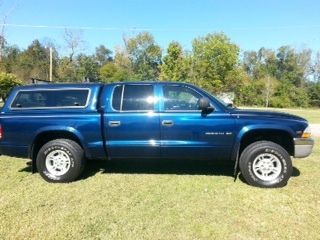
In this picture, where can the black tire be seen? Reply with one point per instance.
(69, 163)
(257, 160)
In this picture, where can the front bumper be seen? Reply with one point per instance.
(303, 147)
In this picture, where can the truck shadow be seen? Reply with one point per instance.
(174, 167)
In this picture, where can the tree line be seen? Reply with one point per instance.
(285, 77)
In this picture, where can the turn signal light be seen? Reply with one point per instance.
(306, 133)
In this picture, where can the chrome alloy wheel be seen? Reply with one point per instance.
(58, 163)
(267, 167)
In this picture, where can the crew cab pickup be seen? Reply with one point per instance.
(60, 126)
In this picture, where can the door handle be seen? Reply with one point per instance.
(114, 123)
(167, 123)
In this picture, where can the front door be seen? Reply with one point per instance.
(188, 133)
(132, 126)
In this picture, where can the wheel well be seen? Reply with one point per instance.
(45, 137)
(283, 138)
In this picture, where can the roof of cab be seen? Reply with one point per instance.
(90, 85)
(59, 85)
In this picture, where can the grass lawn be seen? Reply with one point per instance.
(159, 200)
(311, 114)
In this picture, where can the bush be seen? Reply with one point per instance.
(7, 82)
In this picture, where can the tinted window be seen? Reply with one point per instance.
(179, 98)
(116, 98)
(50, 98)
(138, 98)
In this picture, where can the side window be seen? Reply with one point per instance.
(51, 98)
(138, 98)
(116, 98)
(180, 98)
(135, 98)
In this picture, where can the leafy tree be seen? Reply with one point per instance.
(288, 95)
(10, 59)
(118, 70)
(111, 72)
(103, 55)
(87, 67)
(145, 56)
(67, 71)
(214, 57)
(314, 94)
(260, 64)
(7, 82)
(250, 63)
(251, 94)
(292, 65)
(34, 62)
(316, 68)
(173, 67)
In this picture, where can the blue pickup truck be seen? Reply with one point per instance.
(60, 126)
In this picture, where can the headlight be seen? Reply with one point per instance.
(306, 133)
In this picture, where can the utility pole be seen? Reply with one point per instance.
(50, 71)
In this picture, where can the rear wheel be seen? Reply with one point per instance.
(265, 164)
(60, 160)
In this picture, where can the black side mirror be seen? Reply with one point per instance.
(230, 105)
(204, 105)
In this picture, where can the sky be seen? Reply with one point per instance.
(249, 24)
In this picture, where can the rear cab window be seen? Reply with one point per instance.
(51, 98)
(133, 97)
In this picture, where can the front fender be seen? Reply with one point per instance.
(250, 128)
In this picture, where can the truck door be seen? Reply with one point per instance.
(186, 132)
(132, 124)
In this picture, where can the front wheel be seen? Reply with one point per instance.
(60, 160)
(265, 164)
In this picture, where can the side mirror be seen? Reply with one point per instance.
(204, 105)
(230, 105)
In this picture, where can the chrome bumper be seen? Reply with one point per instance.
(303, 147)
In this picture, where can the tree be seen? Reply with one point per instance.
(292, 66)
(87, 67)
(34, 61)
(103, 55)
(67, 71)
(173, 67)
(118, 70)
(145, 56)
(10, 59)
(111, 72)
(74, 42)
(314, 94)
(316, 68)
(214, 57)
(7, 82)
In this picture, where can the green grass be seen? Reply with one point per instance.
(159, 200)
(311, 114)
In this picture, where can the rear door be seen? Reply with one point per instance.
(132, 126)
(188, 133)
